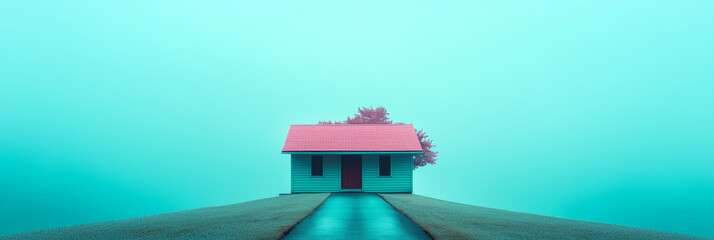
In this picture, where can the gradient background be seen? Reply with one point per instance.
(592, 110)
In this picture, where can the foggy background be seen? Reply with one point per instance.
(598, 111)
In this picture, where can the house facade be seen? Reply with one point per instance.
(351, 157)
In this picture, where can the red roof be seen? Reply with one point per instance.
(352, 138)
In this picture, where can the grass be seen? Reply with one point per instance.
(449, 220)
(271, 218)
(260, 219)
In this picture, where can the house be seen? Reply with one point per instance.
(351, 157)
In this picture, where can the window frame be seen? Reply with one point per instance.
(312, 166)
(379, 165)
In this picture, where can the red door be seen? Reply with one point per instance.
(351, 171)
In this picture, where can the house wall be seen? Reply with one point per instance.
(399, 181)
(301, 181)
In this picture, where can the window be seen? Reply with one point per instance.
(316, 165)
(385, 165)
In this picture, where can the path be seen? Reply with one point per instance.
(356, 216)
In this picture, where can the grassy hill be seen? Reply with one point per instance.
(260, 219)
(449, 220)
(272, 217)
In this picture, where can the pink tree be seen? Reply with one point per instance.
(380, 115)
(427, 156)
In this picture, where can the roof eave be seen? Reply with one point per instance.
(351, 152)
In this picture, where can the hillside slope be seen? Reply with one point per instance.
(260, 219)
(449, 220)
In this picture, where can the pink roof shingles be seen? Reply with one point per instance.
(352, 138)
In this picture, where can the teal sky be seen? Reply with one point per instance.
(592, 110)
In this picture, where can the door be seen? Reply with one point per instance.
(351, 171)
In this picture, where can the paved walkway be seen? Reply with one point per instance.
(356, 216)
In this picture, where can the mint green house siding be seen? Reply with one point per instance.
(301, 181)
(399, 181)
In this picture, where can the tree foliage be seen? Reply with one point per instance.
(380, 115)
